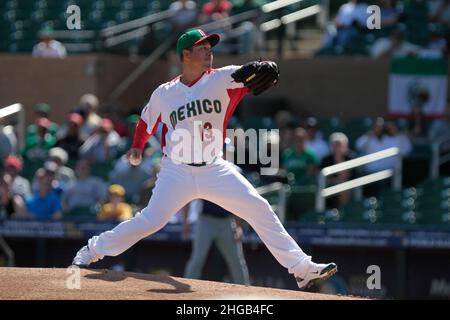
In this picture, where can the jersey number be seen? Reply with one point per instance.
(206, 132)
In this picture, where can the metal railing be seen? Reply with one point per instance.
(141, 68)
(85, 39)
(282, 189)
(20, 110)
(323, 192)
(437, 159)
(290, 18)
(130, 30)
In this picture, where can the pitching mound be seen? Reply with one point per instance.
(40, 283)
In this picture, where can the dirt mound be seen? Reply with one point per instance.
(40, 283)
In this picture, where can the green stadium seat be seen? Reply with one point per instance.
(399, 216)
(300, 200)
(329, 125)
(356, 127)
(312, 216)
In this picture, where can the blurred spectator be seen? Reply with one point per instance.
(87, 192)
(286, 123)
(20, 186)
(339, 153)
(132, 178)
(396, 138)
(394, 46)
(215, 10)
(38, 144)
(8, 140)
(440, 127)
(350, 19)
(119, 125)
(47, 46)
(45, 204)
(185, 15)
(248, 33)
(50, 169)
(371, 142)
(115, 209)
(64, 175)
(215, 225)
(70, 137)
(437, 46)
(439, 11)
(11, 205)
(382, 137)
(42, 110)
(316, 142)
(89, 105)
(102, 146)
(299, 160)
(389, 13)
(418, 126)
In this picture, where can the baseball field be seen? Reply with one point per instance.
(101, 284)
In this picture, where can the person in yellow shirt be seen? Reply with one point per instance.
(115, 208)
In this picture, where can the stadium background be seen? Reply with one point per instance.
(344, 88)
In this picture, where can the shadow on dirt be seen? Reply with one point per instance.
(112, 276)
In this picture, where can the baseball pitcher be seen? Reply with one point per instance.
(194, 109)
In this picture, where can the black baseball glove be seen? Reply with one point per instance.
(258, 76)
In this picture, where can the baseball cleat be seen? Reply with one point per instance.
(83, 258)
(316, 273)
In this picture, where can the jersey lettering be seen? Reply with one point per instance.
(194, 108)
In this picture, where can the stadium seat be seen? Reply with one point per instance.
(329, 125)
(301, 199)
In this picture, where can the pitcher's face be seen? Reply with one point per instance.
(201, 55)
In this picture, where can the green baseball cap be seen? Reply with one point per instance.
(133, 119)
(42, 107)
(193, 37)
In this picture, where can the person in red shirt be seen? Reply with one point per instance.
(215, 10)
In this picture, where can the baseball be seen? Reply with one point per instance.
(135, 161)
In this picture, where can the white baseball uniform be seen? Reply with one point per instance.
(209, 101)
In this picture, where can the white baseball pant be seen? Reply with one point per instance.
(219, 182)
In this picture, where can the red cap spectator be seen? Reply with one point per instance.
(13, 161)
(106, 124)
(76, 118)
(43, 122)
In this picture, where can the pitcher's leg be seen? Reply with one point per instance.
(173, 190)
(127, 233)
(204, 236)
(234, 193)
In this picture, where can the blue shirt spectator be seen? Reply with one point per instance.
(45, 203)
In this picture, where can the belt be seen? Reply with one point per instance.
(201, 164)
